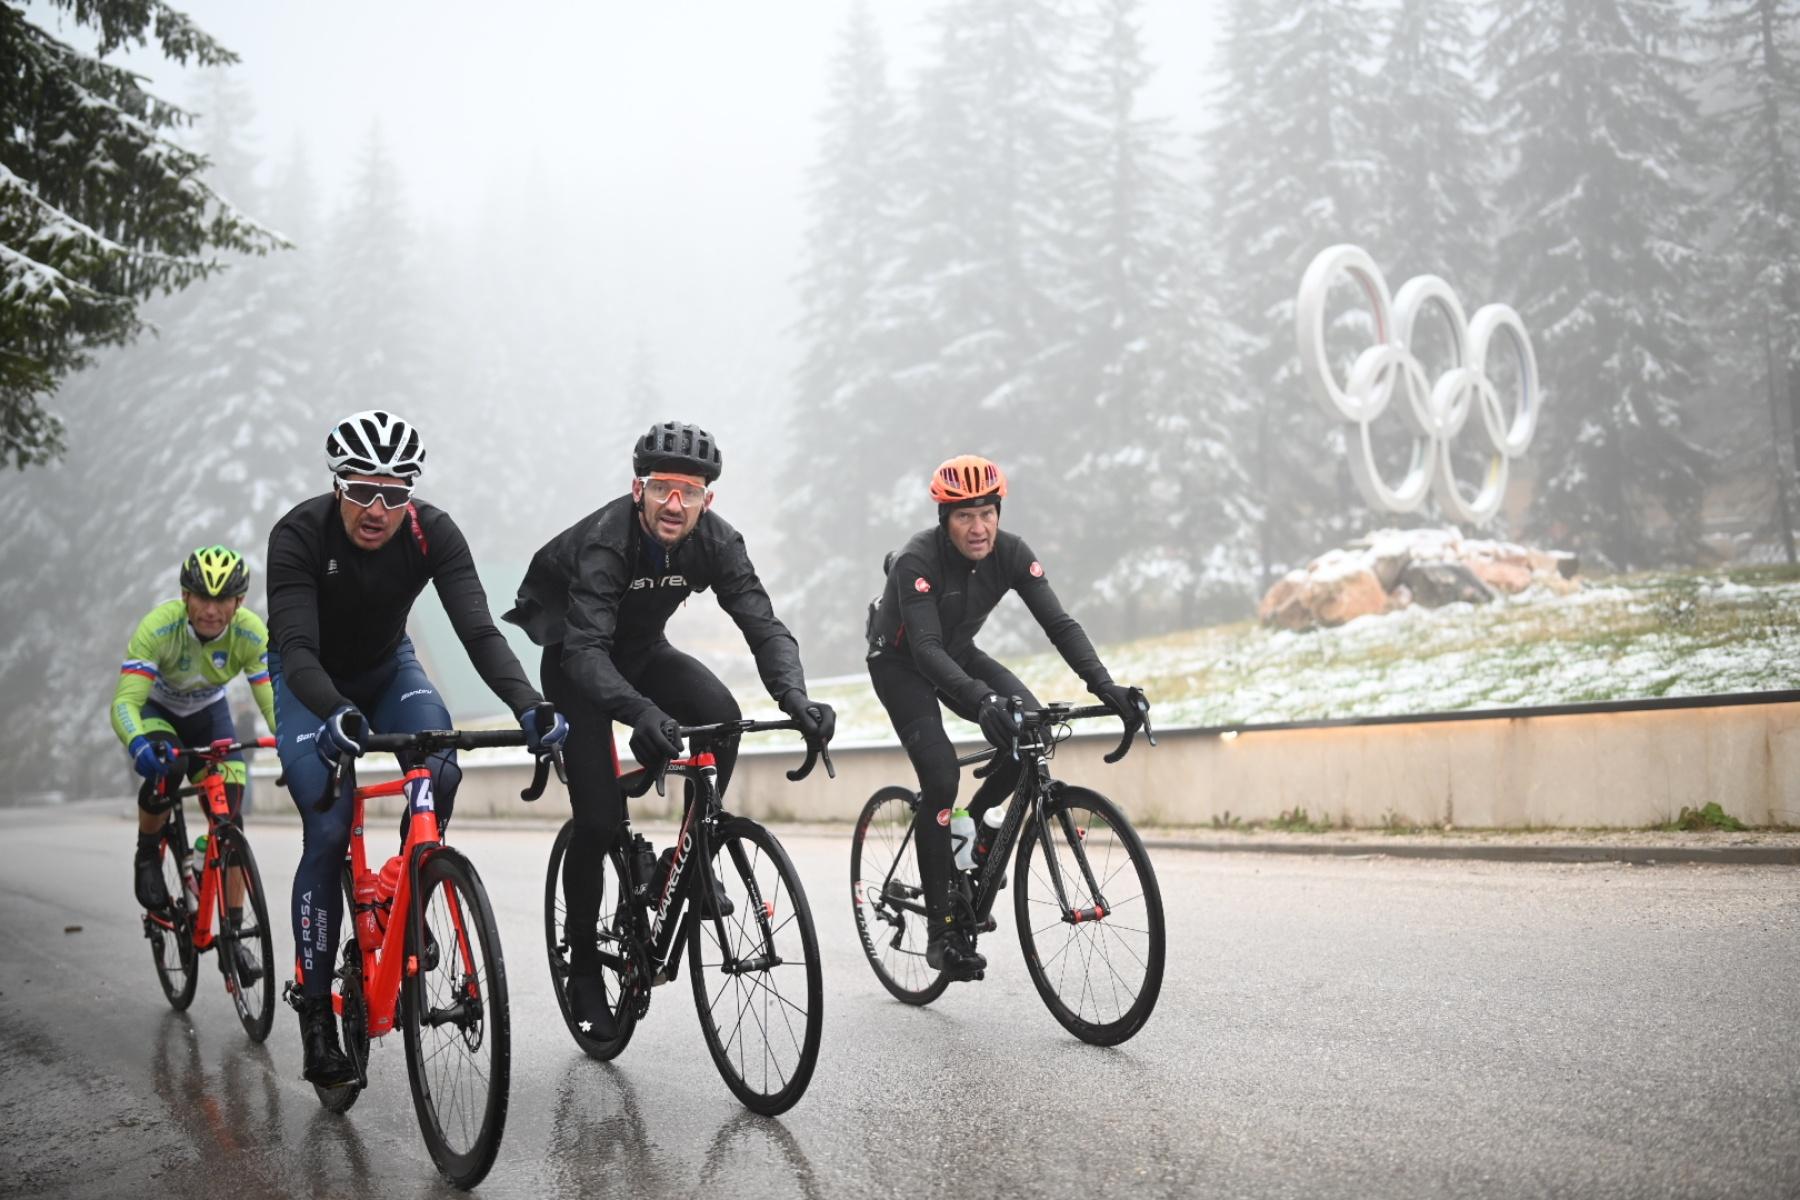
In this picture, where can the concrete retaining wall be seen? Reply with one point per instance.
(1618, 770)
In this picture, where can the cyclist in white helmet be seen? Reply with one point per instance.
(344, 570)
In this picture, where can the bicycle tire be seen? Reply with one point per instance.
(880, 851)
(172, 938)
(1125, 946)
(256, 1012)
(462, 1115)
(767, 1044)
(352, 1008)
(615, 957)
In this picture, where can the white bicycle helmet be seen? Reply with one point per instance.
(375, 442)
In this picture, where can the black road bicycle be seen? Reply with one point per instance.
(1085, 898)
(753, 960)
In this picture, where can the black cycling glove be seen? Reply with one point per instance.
(1120, 699)
(655, 738)
(999, 724)
(816, 720)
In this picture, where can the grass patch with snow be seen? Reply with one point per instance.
(1628, 637)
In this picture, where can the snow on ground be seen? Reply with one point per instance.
(1630, 637)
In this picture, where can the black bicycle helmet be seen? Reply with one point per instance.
(679, 449)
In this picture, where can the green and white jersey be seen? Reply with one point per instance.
(168, 663)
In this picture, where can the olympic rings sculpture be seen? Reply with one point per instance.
(1433, 412)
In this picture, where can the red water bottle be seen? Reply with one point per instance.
(368, 927)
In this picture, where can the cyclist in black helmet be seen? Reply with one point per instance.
(596, 598)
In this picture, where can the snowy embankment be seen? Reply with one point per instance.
(1624, 638)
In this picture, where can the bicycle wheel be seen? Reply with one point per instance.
(458, 1037)
(756, 972)
(171, 928)
(255, 1004)
(352, 1008)
(1099, 966)
(888, 899)
(613, 946)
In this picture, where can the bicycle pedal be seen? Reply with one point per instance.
(988, 924)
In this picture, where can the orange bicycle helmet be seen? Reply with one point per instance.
(968, 479)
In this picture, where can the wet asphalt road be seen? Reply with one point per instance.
(1361, 1027)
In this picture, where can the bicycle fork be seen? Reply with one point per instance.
(1077, 842)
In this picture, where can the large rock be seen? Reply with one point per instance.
(1437, 584)
(1302, 600)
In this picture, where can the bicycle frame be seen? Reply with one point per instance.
(1029, 801)
(384, 960)
(667, 931)
(211, 788)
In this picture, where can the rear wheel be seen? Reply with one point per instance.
(888, 898)
(756, 971)
(171, 928)
(255, 1004)
(458, 1036)
(1098, 962)
(613, 944)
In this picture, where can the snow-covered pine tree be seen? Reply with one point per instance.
(376, 328)
(1293, 169)
(844, 396)
(1427, 132)
(178, 440)
(1604, 218)
(1758, 128)
(1149, 507)
(100, 207)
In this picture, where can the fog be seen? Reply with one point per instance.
(855, 239)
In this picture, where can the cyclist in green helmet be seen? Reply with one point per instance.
(171, 692)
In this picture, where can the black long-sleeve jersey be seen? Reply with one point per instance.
(336, 609)
(936, 601)
(604, 588)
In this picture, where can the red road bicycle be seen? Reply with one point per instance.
(197, 916)
(425, 953)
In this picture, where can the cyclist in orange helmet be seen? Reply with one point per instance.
(941, 586)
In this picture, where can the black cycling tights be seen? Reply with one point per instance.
(677, 683)
(912, 705)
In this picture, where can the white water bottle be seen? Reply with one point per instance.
(962, 838)
(991, 820)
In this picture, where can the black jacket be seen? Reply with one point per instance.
(603, 589)
(336, 610)
(936, 600)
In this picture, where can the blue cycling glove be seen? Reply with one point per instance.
(341, 734)
(150, 758)
(547, 740)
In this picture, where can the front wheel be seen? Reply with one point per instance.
(614, 945)
(755, 969)
(458, 1037)
(171, 927)
(255, 1002)
(888, 899)
(1096, 955)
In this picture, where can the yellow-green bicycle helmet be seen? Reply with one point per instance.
(215, 572)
